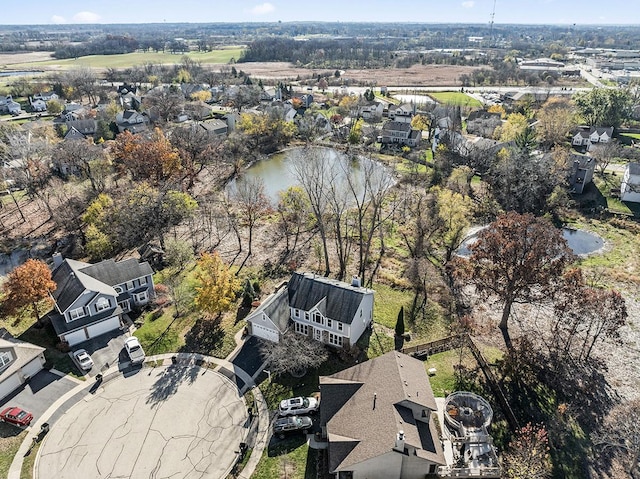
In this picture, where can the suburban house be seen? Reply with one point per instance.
(581, 172)
(38, 105)
(630, 187)
(330, 311)
(400, 132)
(87, 128)
(90, 298)
(7, 105)
(402, 113)
(19, 362)
(371, 112)
(587, 137)
(378, 419)
(132, 121)
(215, 127)
(483, 123)
(46, 96)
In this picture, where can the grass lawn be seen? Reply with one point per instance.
(455, 98)
(10, 439)
(290, 458)
(137, 58)
(635, 136)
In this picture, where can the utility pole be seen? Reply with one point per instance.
(493, 14)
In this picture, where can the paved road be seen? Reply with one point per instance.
(175, 421)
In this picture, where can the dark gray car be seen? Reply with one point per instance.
(289, 424)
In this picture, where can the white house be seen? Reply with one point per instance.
(378, 420)
(587, 137)
(402, 113)
(19, 361)
(372, 112)
(327, 310)
(90, 298)
(630, 187)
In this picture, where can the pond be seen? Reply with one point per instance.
(581, 242)
(278, 174)
(18, 73)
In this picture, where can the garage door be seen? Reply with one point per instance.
(9, 385)
(34, 367)
(103, 327)
(75, 337)
(264, 333)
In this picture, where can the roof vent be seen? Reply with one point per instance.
(355, 281)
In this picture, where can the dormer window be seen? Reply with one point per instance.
(102, 304)
(118, 289)
(143, 281)
(5, 358)
(76, 313)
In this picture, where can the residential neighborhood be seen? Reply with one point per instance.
(316, 248)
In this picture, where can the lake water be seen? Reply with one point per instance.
(581, 242)
(17, 73)
(278, 174)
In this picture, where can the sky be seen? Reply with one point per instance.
(580, 12)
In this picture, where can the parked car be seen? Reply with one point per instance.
(17, 416)
(134, 350)
(298, 405)
(84, 360)
(284, 425)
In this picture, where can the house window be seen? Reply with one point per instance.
(329, 323)
(143, 281)
(129, 285)
(118, 289)
(306, 316)
(340, 326)
(296, 313)
(102, 304)
(317, 318)
(5, 358)
(335, 339)
(76, 313)
(302, 329)
(141, 297)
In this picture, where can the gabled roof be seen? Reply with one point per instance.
(276, 307)
(22, 353)
(634, 168)
(74, 277)
(368, 404)
(86, 127)
(74, 134)
(340, 301)
(397, 126)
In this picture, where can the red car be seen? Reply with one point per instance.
(16, 416)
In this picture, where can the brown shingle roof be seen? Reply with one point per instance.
(368, 404)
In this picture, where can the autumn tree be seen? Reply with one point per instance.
(584, 317)
(556, 118)
(241, 96)
(621, 433)
(266, 132)
(528, 454)
(453, 220)
(167, 102)
(82, 159)
(28, 284)
(197, 149)
(603, 106)
(515, 125)
(294, 354)
(217, 286)
(420, 122)
(151, 159)
(496, 108)
(517, 259)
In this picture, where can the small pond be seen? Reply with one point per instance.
(278, 174)
(18, 73)
(581, 242)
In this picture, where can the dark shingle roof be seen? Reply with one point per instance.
(398, 384)
(397, 126)
(60, 325)
(277, 309)
(112, 273)
(634, 168)
(336, 300)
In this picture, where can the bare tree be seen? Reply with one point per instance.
(312, 168)
(252, 202)
(621, 432)
(294, 353)
(77, 158)
(604, 153)
(167, 102)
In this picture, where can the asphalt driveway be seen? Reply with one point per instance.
(40, 393)
(106, 350)
(175, 421)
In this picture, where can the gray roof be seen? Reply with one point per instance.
(23, 353)
(397, 126)
(86, 127)
(634, 168)
(74, 277)
(335, 299)
(358, 431)
(61, 326)
(276, 307)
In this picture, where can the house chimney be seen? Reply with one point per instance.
(57, 259)
(355, 281)
(400, 441)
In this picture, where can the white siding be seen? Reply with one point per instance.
(9, 385)
(33, 367)
(265, 333)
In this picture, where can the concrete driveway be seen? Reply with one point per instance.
(171, 421)
(40, 393)
(106, 350)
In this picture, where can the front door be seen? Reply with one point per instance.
(317, 334)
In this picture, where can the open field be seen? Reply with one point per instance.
(455, 98)
(44, 61)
